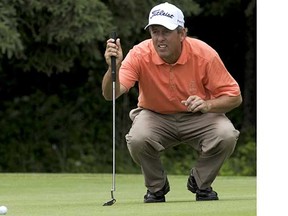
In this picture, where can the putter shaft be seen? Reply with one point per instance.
(113, 73)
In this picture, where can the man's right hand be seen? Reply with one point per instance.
(113, 49)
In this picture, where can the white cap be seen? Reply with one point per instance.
(167, 15)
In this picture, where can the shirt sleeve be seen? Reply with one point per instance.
(219, 81)
(129, 70)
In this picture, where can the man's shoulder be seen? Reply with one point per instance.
(143, 47)
(197, 42)
(200, 48)
(141, 51)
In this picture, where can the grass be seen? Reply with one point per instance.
(84, 195)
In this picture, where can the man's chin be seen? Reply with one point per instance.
(162, 55)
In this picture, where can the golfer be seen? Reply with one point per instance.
(184, 92)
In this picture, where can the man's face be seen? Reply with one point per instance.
(167, 43)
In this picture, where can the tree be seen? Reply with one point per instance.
(49, 36)
(10, 41)
(41, 39)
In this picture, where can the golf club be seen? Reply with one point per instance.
(113, 67)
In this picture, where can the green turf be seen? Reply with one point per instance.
(84, 194)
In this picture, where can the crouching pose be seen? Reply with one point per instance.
(184, 92)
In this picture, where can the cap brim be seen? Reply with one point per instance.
(169, 26)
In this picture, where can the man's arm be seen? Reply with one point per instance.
(107, 85)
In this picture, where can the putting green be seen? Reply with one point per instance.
(84, 195)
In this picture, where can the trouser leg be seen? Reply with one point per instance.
(216, 142)
(145, 142)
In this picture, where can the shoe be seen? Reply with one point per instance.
(201, 195)
(206, 194)
(191, 184)
(158, 196)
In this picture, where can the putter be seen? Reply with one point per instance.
(113, 67)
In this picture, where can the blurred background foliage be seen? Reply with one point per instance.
(53, 117)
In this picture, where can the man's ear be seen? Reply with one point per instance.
(183, 33)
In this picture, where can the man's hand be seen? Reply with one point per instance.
(196, 104)
(113, 49)
(222, 104)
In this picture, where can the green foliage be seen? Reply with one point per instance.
(10, 42)
(54, 133)
(179, 160)
(49, 36)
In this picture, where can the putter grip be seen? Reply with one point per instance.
(113, 59)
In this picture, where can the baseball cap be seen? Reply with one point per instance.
(167, 15)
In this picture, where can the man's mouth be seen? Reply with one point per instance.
(162, 46)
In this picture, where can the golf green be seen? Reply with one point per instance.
(85, 194)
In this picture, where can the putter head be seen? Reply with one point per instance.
(110, 202)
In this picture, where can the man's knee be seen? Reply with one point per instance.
(228, 138)
(134, 143)
(134, 147)
(144, 143)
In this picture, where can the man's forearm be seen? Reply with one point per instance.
(107, 88)
(224, 104)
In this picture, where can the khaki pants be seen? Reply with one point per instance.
(211, 134)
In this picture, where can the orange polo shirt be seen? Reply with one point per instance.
(198, 71)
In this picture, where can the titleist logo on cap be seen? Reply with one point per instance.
(161, 13)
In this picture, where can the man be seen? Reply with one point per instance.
(184, 92)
